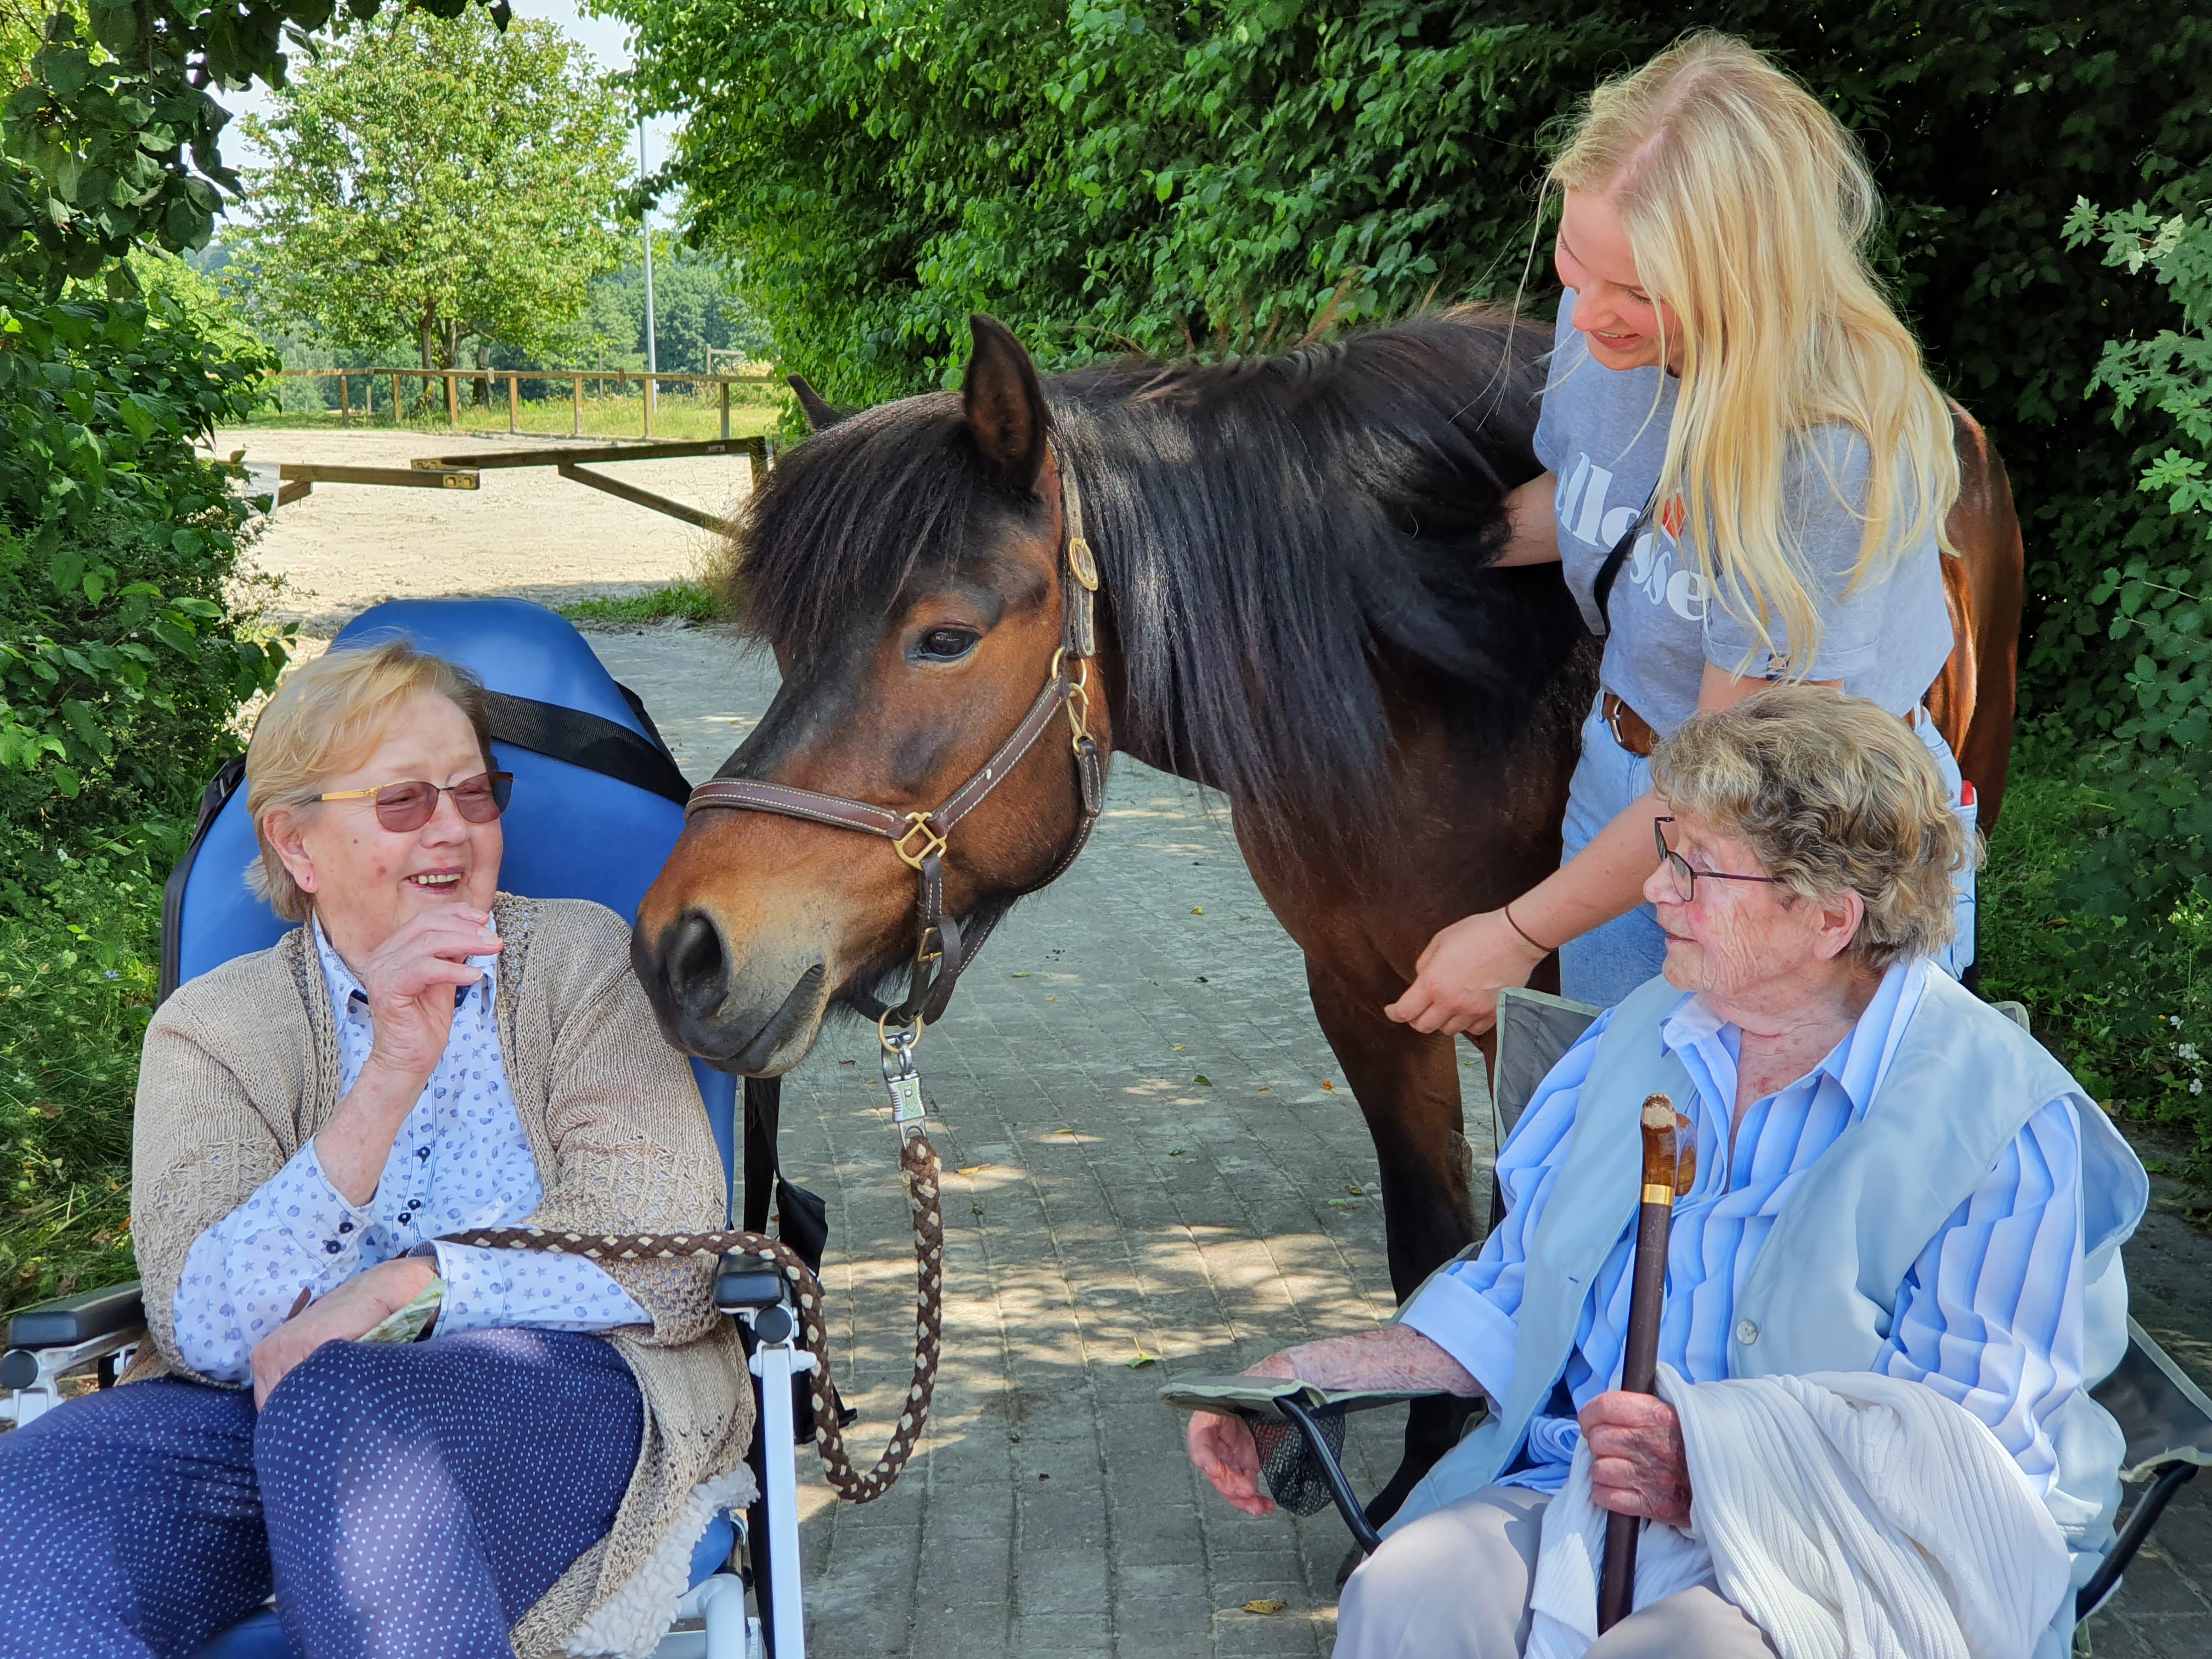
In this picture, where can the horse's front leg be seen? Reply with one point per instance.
(1408, 1086)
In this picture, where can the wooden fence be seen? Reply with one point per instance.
(514, 377)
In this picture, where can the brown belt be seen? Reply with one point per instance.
(1634, 733)
(1630, 729)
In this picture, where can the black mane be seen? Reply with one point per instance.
(1278, 539)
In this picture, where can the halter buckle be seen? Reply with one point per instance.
(932, 841)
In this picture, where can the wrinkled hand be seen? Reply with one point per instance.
(351, 1311)
(1638, 1462)
(1225, 1453)
(1458, 977)
(411, 979)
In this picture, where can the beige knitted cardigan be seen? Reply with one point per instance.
(241, 1067)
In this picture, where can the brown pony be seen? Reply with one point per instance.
(1296, 609)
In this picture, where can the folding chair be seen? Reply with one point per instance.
(2165, 1417)
(605, 803)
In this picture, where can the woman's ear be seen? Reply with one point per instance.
(281, 826)
(1840, 921)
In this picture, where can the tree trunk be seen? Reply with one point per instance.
(483, 375)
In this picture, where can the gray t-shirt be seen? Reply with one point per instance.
(1603, 434)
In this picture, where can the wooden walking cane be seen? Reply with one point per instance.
(1670, 1166)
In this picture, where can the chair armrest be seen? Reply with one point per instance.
(747, 1283)
(1259, 1396)
(69, 1319)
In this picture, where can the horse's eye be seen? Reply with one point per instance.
(946, 644)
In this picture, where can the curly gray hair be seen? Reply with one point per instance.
(1831, 793)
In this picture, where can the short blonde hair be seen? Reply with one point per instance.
(327, 717)
(1749, 209)
(1831, 793)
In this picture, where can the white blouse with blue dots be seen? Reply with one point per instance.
(460, 1160)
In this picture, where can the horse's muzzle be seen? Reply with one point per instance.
(730, 1018)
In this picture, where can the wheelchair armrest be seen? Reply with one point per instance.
(747, 1283)
(69, 1319)
(1262, 1396)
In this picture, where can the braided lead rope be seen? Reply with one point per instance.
(921, 1175)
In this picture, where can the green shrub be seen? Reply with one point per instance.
(126, 649)
(77, 979)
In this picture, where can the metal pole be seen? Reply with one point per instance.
(345, 402)
(578, 405)
(645, 226)
(726, 411)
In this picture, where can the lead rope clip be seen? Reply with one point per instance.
(901, 1079)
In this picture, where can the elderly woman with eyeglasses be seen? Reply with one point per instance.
(1891, 1178)
(423, 1055)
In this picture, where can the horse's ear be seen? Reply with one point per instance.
(821, 414)
(1004, 403)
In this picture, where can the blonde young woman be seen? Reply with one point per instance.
(1732, 402)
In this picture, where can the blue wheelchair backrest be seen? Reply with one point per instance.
(599, 831)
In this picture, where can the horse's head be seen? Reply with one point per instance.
(906, 566)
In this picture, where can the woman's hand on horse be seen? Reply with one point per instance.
(348, 1313)
(1457, 978)
(411, 980)
(1638, 1462)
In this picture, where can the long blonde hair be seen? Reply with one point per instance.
(1747, 206)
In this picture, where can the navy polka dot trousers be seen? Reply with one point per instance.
(408, 1502)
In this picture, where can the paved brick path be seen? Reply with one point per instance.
(1153, 1176)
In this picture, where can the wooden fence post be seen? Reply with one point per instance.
(398, 404)
(578, 405)
(345, 402)
(452, 398)
(651, 385)
(514, 403)
(726, 411)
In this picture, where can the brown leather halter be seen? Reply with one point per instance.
(944, 949)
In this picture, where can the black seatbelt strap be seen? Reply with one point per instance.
(590, 741)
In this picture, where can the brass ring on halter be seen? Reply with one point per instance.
(934, 841)
(1078, 706)
(901, 1044)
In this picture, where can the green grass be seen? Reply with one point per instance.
(677, 417)
(681, 601)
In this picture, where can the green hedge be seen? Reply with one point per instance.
(127, 648)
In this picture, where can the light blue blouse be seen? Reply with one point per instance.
(460, 1160)
(1990, 1315)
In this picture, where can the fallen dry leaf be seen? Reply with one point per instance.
(1326, 1083)
(1266, 1604)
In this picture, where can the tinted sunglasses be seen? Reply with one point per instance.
(401, 807)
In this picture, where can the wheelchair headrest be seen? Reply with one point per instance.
(572, 830)
(596, 825)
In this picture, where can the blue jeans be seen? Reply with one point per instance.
(402, 1502)
(1608, 962)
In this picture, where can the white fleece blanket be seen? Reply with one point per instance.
(1851, 1516)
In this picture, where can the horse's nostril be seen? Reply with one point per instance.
(698, 969)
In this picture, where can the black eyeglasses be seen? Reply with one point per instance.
(1686, 877)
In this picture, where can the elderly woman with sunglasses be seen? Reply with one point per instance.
(423, 1055)
(1891, 1178)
